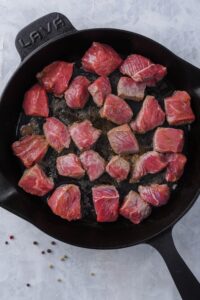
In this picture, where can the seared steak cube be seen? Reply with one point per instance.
(155, 194)
(77, 94)
(142, 69)
(30, 149)
(56, 76)
(135, 208)
(178, 108)
(99, 89)
(122, 140)
(127, 88)
(84, 134)
(57, 134)
(118, 168)
(150, 116)
(116, 110)
(106, 203)
(149, 163)
(168, 140)
(101, 59)
(34, 181)
(175, 168)
(36, 102)
(69, 165)
(65, 202)
(93, 164)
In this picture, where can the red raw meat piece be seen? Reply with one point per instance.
(99, 89)
(65, 202)
(135, 208)
(178, 108)
(36, 102)
(106, 202)
(77, 94)
(56, 76)
(149, 163)
(118, 168)
(34, 181)
(93, 164)
(150, 116)
(129, 89)
(175, 168)
(57, 134)
(30, 149)
(84, 134)
(142, 69)
(122, 140)
(116, 110)
(155, 194)
(69, 165)
(168, 140)
(101, 59)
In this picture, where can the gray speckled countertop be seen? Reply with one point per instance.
(135, 273)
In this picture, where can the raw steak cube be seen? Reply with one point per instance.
(93, 164)
(101, 59)
(134, 208)
(178, 108)
(168, 140)
(149, 163)
(36, 102)
(57, 134)
(122, 140)
(30, 149)
(34, 181)
(175, 168)
(56, 76)
(116, 110)
(77, 94)
(65, 202)
(155, 194)
(142, 69)
(84, 134)
(118, 168)
(150, 116)
(106, 202)
(99, 89)
(129, 89)
(69, 165)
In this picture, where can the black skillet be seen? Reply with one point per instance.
(53, 37)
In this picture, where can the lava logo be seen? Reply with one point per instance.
(43, 32)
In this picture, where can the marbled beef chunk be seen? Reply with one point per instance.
(65, 202)
(168, 140)
(93, 164)
(34, 181)
(77, 94)
(175, 168)
(118, 168)
(99, 89)
(135, 208)
(127, 88)
(69, 165)
(155, 194)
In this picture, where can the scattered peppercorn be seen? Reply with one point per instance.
(28, 285)
(43, 252)
(92, 274)
(35, 243)
(59, 280)
(49, 250)
(66, 257)
(51, 266)
(62, 258)
(11, 237)
(53, 243)
(6, 242)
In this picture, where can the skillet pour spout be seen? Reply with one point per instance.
(51, 38)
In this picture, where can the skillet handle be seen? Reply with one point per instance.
(186, 283)
(41, 31)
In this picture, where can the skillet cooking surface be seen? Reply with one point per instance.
(87, 232)
(59, 109)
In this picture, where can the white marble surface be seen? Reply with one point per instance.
(135, 273)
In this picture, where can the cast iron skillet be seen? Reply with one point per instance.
(53, 37)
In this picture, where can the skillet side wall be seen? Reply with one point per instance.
(101, 236)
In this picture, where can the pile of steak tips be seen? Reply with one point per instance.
(84, 134)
